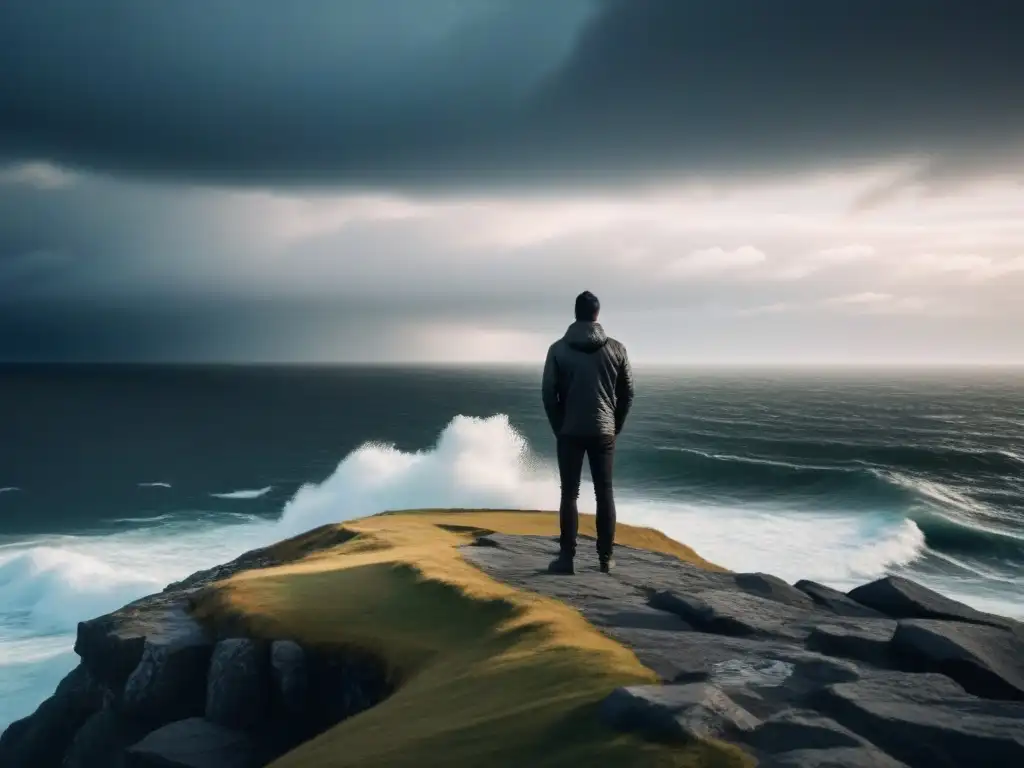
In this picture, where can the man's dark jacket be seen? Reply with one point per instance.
(588, 383)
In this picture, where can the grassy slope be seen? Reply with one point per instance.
(490, 676)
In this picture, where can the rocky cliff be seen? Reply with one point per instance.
(889, 674)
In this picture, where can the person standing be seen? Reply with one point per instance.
(587, 390)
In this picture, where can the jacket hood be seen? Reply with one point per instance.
(585, 336)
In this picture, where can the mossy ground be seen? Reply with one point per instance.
(489, 676)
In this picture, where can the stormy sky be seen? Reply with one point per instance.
(398, 180)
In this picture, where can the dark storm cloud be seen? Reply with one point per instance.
(402, 93)
(199, 329)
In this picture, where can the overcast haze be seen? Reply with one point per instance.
(396, 180)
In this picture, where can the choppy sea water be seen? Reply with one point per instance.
(117, 480)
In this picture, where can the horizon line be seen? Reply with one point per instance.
(640, 363)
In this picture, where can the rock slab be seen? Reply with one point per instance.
(801, 729)
(103, 740)
(902, 598)
(291, 681)
(676, 713)
(987, 661)
(927, 720)
(841, 757)
(870, 641)
(238, 684)
(772, 588)
(194, 743)
(836, 601)
(169, 682)
(734, 614)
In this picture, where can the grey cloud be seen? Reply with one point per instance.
(110, 270)
(507, 92)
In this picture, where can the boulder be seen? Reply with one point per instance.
(238, 684)
(869, 641)
(110, 653)
(773, 588)
(40, 740)
(195, 743)
(986, 661)
(112, 646)
(927, 720)
(676, 713)
(904, 599)
(800, 729)
(290, 681)
(168, 684)
(102, 740)
(840, 757)
(835, 601)
(735, 614)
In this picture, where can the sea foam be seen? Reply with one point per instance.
(485, 463)
(244, 494)
(52, 588)
(48, 585)
(475, 463)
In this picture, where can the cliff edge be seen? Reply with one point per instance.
(437, 638)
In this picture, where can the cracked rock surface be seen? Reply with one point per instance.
(890, 674)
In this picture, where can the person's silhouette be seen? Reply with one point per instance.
(587, 391)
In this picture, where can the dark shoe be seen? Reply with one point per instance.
(562, 565)
(607, 565)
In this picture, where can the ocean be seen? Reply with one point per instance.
(115, 480)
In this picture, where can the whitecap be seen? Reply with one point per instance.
(479, 463)
(154, 519)
(484, 463)
(244, 494)
(53, 588)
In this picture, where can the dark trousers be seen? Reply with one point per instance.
(601, 452)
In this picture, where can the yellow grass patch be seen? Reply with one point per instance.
(488, 675)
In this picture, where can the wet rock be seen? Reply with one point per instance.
(869, 641)
(168, 684)
(835, 601)
(41, 739)
(927, 720)
(773, 588)
(195, 743)
(102, 740)
(238, 685)
(801, 729)
(676, 713)
(904, 599)
(986, 661)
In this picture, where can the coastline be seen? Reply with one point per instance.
(698, 666)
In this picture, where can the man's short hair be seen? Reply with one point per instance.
(587, 307)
